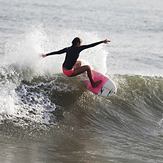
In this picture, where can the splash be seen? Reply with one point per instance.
(22, 62)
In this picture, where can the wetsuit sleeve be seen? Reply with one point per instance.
(57, 52)
(90, 45)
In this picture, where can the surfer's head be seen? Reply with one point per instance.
(76, 42)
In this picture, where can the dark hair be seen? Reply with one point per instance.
(75, 41)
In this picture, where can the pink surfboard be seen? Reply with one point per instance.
(106, 88)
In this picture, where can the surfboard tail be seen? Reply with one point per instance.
(106, 88)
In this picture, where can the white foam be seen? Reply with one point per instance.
(7, 101)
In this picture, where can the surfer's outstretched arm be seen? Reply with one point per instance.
(93, 44)
(55, 52)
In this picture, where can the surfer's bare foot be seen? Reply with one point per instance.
(95, 84)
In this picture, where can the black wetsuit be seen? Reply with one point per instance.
(72, 54)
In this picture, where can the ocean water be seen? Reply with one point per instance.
(47, 117)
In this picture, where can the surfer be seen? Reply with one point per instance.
(71, 66)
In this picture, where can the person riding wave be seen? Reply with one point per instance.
(71, 66)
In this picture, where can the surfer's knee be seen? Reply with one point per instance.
(87, 67)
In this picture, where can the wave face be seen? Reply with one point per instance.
(62, 105)
(141, 94)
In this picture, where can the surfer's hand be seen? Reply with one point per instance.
(43, 55)
(106, 41)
